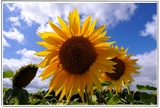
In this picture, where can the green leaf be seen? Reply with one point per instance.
(139, 67)
(75, 101)
(5, 89)
(147, 87)
(8, 94)
(35, 101)
(130, 98)
(94, 98)
(8, 74)
(123, 100)
(105, 83)
(22, 95)
(114, 100)
(146, 98)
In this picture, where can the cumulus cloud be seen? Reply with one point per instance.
(27, 57)
(7, 82)
(34, 87)
(5, 43)
(10, 6)
(148, 72)
(40, 13)
(150, 28)
(14, 20)
(14, 34)
(45, 27)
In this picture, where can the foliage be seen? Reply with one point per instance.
(8, 74)
(20, 96)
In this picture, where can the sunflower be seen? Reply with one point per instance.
(123, 70)
(74, 55)
(24, 75)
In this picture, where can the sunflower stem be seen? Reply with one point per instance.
(87, 96)
(129, 92)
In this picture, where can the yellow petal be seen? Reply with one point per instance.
(56, 73)
(58, 30)
(64, 27)
(122, 48)
(74, 27)
(75, 86)
(96, 32)
(71, 22)
(77, 22)
(127, 57)
(49, 69)
(91, 29)
(54, 36)
(126, 50)
(86, 25)
(135, 72)
(105, 44)
(69, 84)
(88, 81)
(53, 56)
(60, 79)
(95, 71)
(105, 62)
(43, 53)
(103, 68)
(62, 94)
(46, 45)
(116, 47)
(82, 86)
(59, 90)
(95, 80)
(101, 36)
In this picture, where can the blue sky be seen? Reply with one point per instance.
(131, 25)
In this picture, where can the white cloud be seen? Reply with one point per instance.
(45, 27)
(148, 72)
(7, 82)
(27, 57)
(150, 28)
(15, 21)
(110, 13)
(11, 8)
(34, 87)
(14, 34)
(5, 43)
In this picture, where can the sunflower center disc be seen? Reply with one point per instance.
(120, 67)
(77, 54)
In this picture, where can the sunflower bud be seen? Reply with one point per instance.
(24, 75)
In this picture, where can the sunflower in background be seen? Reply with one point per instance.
(123, 70)
(74, 55)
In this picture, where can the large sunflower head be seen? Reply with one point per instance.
(74, 55)
(123, 70)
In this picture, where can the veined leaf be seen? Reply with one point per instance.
(147, 87)
(105, 83)
(8, 94)
(22, 95)
(8, 74)
(114, 100)
(130, 98)
(147, 98)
